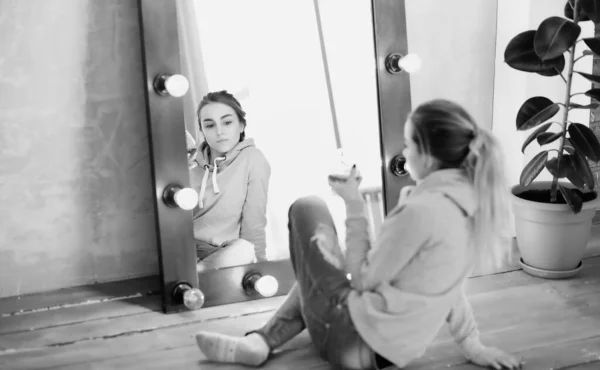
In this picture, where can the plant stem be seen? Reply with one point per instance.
(560, 74)
(554, 188)
(583, 56)
(558, 123)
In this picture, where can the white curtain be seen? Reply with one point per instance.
(192, 64)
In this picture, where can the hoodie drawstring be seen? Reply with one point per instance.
(203, 187)
(214, 176)
(205, 181)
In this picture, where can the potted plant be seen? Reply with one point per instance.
(553, 218)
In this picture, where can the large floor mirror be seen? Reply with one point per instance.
(319, 91)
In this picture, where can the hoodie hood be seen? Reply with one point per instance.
(225, 160)
(217, 165)
(454, 184)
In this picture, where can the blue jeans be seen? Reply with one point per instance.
(318, 300)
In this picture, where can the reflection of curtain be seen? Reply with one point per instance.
(338, 140)
(192, 63)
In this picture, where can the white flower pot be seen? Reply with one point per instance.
(551, 238)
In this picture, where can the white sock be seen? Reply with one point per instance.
(249, 350)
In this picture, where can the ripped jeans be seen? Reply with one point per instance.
(318, 299)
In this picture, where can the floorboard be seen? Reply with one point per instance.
(552, 324)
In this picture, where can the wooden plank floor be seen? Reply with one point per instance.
(553, 324)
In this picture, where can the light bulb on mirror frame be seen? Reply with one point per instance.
(174, 85)
(396, 63)
(411, 63)
(184, 198)
(255, 283)
(267, 286)
(192, 298)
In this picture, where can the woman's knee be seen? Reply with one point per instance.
(305, 204)
(306, 216)
(309, 211)
(240, 250)
(234, 253)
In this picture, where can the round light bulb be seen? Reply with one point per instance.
(266, 286)
(177, 85)
(411, 63)
(186, 198)
(193, 299)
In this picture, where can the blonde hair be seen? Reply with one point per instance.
(445, 131)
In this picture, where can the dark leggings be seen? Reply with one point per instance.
(318, 300)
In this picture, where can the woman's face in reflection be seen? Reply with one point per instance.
(221, 127)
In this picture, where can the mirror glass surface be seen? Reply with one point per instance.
(270, 55)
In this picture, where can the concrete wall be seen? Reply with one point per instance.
(75, 186)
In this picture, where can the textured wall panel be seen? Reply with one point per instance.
(75, 187)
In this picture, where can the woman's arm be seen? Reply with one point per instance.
(404, 232)
(358, 241)
(254, 212)
(463, 328)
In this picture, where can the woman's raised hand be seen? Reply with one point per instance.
(347, 186)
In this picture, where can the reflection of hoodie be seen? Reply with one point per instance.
(232, 197)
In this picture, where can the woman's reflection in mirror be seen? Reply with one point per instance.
(231, 176)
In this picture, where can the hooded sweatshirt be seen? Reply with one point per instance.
(232, 197)
(411, 281)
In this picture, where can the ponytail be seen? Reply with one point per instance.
(447, 132)
(490, 224)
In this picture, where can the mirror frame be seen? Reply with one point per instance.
(158, 29)
(166, 128)
(393, 89)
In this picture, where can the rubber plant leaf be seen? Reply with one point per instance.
(590, 77)
(535, 111)
(554, 71)
(520, 55)
(594, 94)
(561, 169)
(582, 167)
(591, 8)
(554, 37)
(548, 137)
(534, 135)
(594, 44)
(581, 16)
(568, 146)
(533, 168)
(573, 199)
(585, 141)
